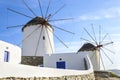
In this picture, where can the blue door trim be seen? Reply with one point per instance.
(61, 65)
(6, 56)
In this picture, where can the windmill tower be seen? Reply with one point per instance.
(37, 38)
(96, 48)
(90, 50)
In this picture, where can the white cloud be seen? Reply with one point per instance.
(102, 14)
(115, 37)
(86, 17)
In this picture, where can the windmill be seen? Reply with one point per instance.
(98, 45)
(38, 32)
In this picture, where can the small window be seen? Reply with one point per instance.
(43, 37)
(60, 59)
(6, 56)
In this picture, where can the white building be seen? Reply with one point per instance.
(76, 64)
(9, 53)
(74, 61)
(67, 63)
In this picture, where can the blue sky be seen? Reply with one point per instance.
(85, 12)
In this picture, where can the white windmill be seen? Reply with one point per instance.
(37, 38)
(96, 48)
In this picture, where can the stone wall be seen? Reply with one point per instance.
(32, 60)
(73, 77)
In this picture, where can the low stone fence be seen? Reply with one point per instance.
(72, 77)
(32, 60)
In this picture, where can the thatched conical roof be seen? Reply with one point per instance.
(35, 21)
(87, 47)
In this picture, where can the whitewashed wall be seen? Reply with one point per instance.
(94, 57)
(73, 60)
(31, 38)
(18, 70)
(14, 52)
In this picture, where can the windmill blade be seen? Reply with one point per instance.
(63, 29)
(109, 50)
(107, 56)
(29, 8)
(19, 13)
(104, 37)
(40, 8)
(107, 43)
(101, 60)
(87, 40)
(38, 40)
(90, 35)
(59, 39)
(14, 26)
(60, 19)
(94, 35)
(56, 12)
(47, 9)
(99, 35)
(48, 38)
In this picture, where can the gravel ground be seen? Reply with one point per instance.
(98, 78)
(105, 75)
